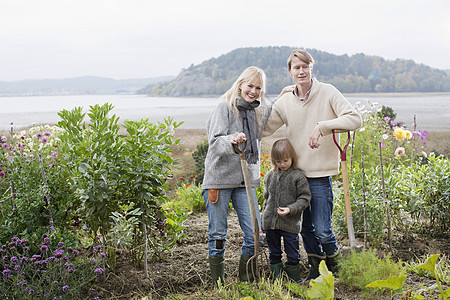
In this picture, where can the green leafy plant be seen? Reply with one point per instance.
(144, 169)
(442, 268)
(125, 224)
(358, 269)
(110, 169)
(175, 220)
(394, 283)
(188, 198)
(430, 265)
(90, 156)
(199, 156)
(426, 188)
(323, 286)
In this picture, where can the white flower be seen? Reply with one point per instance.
(399, 151)
(385, 136)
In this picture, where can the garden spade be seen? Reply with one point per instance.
(251, 204)
(348, 209)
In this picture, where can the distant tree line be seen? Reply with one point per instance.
(350, 74)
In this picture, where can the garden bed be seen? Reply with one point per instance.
(185, 272)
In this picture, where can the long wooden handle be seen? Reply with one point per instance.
(348, 208)
(251, 201)
(248, 189)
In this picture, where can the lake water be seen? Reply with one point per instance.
(432, 110)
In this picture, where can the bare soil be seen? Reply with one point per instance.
(184, 273)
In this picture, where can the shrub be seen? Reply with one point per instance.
(111, 169)
(199, 156)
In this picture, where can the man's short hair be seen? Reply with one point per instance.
(301, 54)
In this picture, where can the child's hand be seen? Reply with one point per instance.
(282, 211)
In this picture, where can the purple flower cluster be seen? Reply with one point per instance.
(21, 151)
(40, 269)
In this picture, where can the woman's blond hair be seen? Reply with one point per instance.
(283, 149)
(253, 75)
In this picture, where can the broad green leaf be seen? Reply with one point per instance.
(323, 286)
(393, 283)
(446, 294)
(430, 264)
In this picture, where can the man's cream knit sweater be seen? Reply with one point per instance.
(325, 106)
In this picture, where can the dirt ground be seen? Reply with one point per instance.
(185, 271)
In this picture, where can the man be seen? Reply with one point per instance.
(310, 112)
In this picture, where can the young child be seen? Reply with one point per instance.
(286, 195)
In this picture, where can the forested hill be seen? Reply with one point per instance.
(350, 74)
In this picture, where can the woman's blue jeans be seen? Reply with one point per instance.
(317, 234)
(218, 223)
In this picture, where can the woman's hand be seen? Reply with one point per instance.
(237, 138)
(287, 89)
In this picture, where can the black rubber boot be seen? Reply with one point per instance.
(276, 269)
(243, 269)
(293, 272)
(216, 265)
(332, 263)
(314, 262)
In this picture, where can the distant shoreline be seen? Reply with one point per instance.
(271, 96)
(432, 110)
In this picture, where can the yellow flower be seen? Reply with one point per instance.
(408, 134)
(400, 134)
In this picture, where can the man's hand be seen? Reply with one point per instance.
(314, 138)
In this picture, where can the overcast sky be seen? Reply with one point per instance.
(146, 38)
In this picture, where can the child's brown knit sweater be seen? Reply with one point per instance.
(285, 189)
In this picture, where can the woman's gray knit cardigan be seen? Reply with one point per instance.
(222, 164)
(285, 189)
